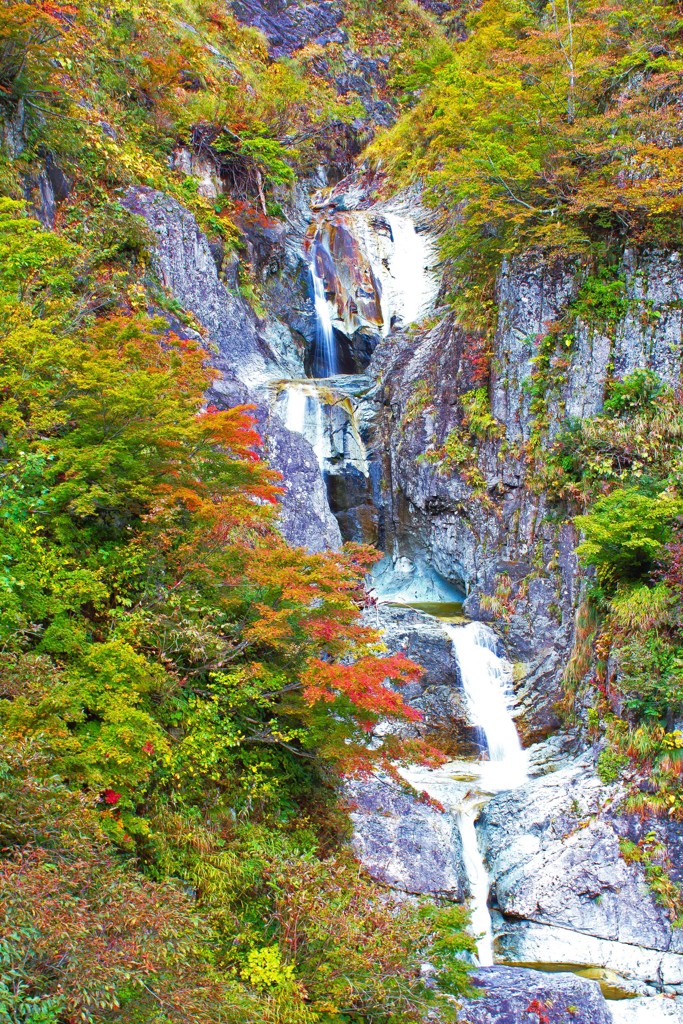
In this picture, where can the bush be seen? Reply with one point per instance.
(650, 675)
(625, 533)
(610, 765)
(635, 392)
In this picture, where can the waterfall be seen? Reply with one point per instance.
(409, 262)
(463, 788)
(487, 682)
(478, 878)
(325, 359)
(303, 414)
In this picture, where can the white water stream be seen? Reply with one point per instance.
(478, 877)
(487, 682)
(303, 414)
(409, 264)
(463, 788)
(327, 363)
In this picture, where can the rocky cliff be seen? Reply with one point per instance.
(380, 459)
(561, 893)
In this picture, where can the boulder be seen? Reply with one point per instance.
(513, 996)
(404, 842)
(561, 890)
(658, 1010)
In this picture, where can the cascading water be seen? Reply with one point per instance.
(478, 878)
(406, 288)
(325, 360)
(465, 787)
(487, 682)
(303, 414)
(409, 263)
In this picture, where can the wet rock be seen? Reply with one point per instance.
(39, 194)
(403, 842)
(348, 275)
(563, 893)
(327, 413)
(438, 693)
(375, 265)
(512, 996)
(46, 190)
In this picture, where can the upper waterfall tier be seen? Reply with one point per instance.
(370, 271)
(325, 357)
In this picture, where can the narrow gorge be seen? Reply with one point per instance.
(531, 837)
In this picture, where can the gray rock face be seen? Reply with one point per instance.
(305, 516)
(513, 996)
(651, 334)
(480, 543)
(288, 25)
(500, 541)
(563, 893)
(405, 843)
(532, 295)
(249, 354)
(187, 268)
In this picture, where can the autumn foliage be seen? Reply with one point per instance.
(170, 666)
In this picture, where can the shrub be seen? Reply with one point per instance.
(610, 765)
(637, 391)
(626, 532)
